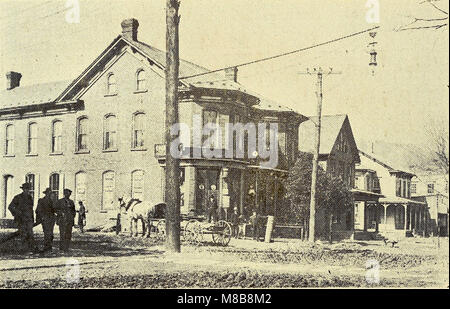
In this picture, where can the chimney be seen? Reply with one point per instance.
(130, 29)
(231, 74)
(12, 80)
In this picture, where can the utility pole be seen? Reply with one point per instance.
(172, 180)
(315, 169)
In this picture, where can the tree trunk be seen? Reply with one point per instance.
(330, 233)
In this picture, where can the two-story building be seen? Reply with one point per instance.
(338, 155)
(432, 188)
(395, 213)
(101, 134)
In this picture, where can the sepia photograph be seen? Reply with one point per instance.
(228, 150)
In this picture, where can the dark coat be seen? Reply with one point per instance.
(234, 218)
(21, 207)
(65, 212)
(45, 210)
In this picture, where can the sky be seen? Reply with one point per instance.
(407, 92)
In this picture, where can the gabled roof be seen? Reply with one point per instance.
(385, 165)
(331, 125)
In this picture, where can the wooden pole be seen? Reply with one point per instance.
(172, 164)
(312, 206)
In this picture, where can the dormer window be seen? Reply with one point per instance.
(141, 81)
(111, 86)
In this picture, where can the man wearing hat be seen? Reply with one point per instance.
(21, 207)
(65, 217)
(45, 214)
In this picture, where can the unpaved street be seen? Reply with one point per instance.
(107, 260)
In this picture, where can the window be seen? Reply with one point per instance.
(137, 185)
(8, 194)
(413, 188)
(32, 138)
(404, 182)
(54, 185)
(141, 83)
(9, 144)
(398, 189)
(110, 133)
(210, 117)
(29, 178)
(109, 184)
(376, 182)
(138, 130)
(430, 187)
(80, 187)
(111, 85)
(82, 133)
(57, 136)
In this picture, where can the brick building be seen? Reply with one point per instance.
(102, 135)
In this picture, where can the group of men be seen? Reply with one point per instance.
(48, 212)
(255, 220)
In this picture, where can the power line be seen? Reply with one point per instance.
(284, 54)
(24, 10)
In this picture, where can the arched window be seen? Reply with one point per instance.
(141, 82)
(111, 84)
(80, 187)
(82, 132)
(54, 185)
(137, 185)
(110, 133)
(30, 178)
(57, 136)
(109, 185)
(9, 141)
(138, 130)
(32, 138)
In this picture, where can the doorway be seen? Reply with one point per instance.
(207, 184)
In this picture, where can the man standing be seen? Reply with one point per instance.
(234, 220)
(81, 216)
(45, 214)
(21, 207)
(65, 211)
(212, 209)
(254, 221)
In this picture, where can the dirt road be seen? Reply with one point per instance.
(106, 260)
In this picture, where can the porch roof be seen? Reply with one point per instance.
(399, 200)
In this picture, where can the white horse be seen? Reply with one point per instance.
(137, 210)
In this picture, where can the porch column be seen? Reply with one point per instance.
(405, 227)
(224, 191)
(385, 212)
(417, 219)
(365, 217)
(241, 194)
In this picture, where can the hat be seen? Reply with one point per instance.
(80, 202)
(67, 190)
(25, 186)
(47, 191)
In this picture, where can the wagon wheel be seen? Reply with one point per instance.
(189, 231)
(222, 233)
(197, 232)
(161, 230)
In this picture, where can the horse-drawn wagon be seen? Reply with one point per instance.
(152, 216)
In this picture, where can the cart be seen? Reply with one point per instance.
(193, 230)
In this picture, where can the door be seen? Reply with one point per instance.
(207, 184)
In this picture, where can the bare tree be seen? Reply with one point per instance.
(438, 143)
(435, 22)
